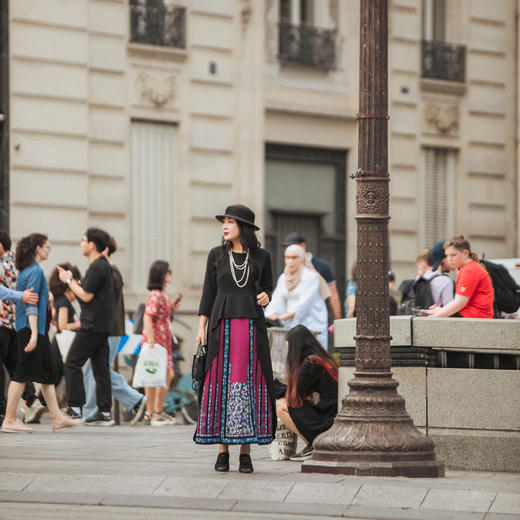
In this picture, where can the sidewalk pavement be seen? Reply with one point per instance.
(144, 472)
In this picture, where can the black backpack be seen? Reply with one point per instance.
(416, 296)
(507, 291)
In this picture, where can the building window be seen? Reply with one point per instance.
(434, 20)
(297, 12)
(305, 192)
(300, 42)
(152, 212)
(440, 59)
(437, 195)
(157, 22)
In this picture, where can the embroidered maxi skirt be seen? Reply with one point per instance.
(235, 407)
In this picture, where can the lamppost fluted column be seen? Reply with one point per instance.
(373, 434)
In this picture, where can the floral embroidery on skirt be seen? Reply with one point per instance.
(235, 406)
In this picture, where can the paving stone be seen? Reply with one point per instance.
(395, 513)
(51, 498)
(458, 500)
(126, 485)
(191, 487)
(15, 481)
(501, 516)
(506, 503)
(323, 493)
(271, 507)
(62, 483)
(169, 502)
(251, 489)
(389, 496)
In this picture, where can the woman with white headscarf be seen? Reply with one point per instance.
(297, 299)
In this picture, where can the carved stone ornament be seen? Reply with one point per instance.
(157, 90)
(443, 118)
(246, 10)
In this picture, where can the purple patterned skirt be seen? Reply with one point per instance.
(235, 406)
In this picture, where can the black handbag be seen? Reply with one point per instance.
(198, 366)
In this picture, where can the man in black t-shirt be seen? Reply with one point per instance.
(96, 297)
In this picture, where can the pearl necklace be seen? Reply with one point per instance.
(242, 267)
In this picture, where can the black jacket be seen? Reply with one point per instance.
(223, 299)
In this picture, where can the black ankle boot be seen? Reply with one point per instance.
(246, 466)
(222, 463)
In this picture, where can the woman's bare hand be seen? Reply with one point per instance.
(32, 343)
(201, 337)
(263, 299)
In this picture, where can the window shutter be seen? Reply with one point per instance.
(152, 198)
(437, 185)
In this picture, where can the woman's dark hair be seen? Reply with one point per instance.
(26, 250)
(56, 286)
(5, 240)
(304, 345)
(100, 238)
(249, 242)
(158, 271)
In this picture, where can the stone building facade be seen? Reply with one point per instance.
(148, 118)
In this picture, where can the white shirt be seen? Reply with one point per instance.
(304, 301)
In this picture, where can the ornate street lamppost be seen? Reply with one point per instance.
(373, 434)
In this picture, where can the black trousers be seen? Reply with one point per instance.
(93, 346)
(9, 359)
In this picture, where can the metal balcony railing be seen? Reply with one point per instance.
(155, 22)
(307, 46)
(446, 61)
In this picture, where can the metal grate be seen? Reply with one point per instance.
(441, 60)
(307, 46)
(156, 22)
(152, 182)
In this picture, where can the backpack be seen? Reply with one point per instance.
(507, 291)
(418, 296)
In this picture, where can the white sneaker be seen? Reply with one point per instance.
(33, 413)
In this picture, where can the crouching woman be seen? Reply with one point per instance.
(311, 401)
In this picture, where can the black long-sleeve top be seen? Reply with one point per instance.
(222, 298)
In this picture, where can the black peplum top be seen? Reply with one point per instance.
(223, 299)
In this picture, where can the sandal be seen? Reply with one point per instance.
(167, 418)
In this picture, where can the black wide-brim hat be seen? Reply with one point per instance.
(241, 213)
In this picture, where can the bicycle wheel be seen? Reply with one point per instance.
(190, 411)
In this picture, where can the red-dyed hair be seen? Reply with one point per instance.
(303, 346)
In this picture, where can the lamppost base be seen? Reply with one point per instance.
(375, 468)
(375, 464)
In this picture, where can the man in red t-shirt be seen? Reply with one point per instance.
(473, 290)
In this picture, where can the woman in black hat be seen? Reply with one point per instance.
(237, 403)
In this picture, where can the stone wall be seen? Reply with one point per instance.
(473, 415)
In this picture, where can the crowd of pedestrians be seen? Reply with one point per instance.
(239, 401)
(29, 350)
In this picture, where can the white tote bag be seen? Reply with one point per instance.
(284, 443)
(64, 340)
(150, 369)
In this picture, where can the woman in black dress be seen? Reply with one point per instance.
(311, 400)
(236, 398)
(65, 319)
(35, 359)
